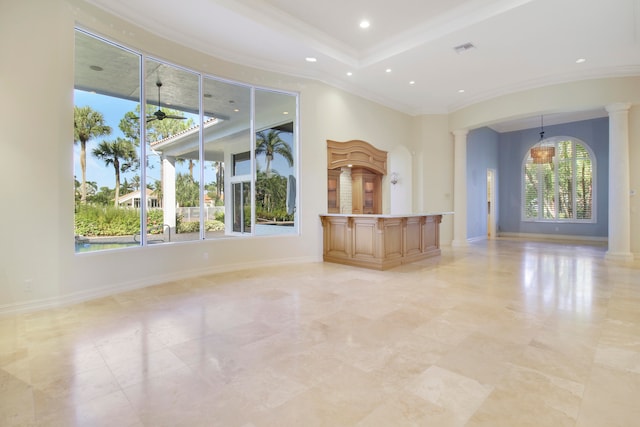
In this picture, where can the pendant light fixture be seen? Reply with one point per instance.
(542, 154)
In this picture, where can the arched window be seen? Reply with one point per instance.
(560, 184)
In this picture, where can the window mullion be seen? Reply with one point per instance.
(574, 178)
(201, 154)
(556, 184)
(143, 152)
(252, 127)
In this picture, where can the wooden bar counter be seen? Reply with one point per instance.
(380, 241)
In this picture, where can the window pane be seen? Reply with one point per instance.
(561, 190)
(584, 183)
(227, 111)
(276, 190)
(548, 190)
(227, 139)
(564, 150)
(173, 162)
(241, 163)
(107, 146)
(187, 163)
(531, 199)
(565, 189)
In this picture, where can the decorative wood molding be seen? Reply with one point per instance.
(356, 153)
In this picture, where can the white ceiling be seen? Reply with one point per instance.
(519, 44)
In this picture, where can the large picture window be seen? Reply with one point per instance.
(560, 187)
(151, 145)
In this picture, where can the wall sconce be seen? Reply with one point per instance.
(394, 178)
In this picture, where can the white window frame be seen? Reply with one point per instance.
(143, 206)
(555, 141)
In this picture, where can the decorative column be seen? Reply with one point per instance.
(619, 187)
(460, 188)
(169, 191)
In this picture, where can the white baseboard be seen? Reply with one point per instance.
(555, 237)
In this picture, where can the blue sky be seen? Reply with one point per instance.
(113, 109)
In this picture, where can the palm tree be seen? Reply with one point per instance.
(219, 167)
(181, 160)
(126, 187)
(271, 193)
(135, 182)
(87, 124)
(270, 143)
(187, 191)
(112, 152)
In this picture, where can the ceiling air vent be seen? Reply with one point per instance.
(464, 48)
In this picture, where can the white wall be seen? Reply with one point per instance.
(344, 117)
(400, 162)
(36, 82)
(432, 152)
(584, 95)
(634, 178)
(38, 265)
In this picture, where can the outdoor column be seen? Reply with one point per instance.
(169, 191)
(460, 188)
(619, 195)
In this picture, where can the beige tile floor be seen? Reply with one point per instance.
(502, 333)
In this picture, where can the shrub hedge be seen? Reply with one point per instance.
(95, 221)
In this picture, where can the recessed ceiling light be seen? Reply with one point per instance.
(310, 59)
(388, 70)
(236, 110)
(364, 24)
(580, 60)
(285, 112)
(349, 73)
(412, 82)
(460, 90)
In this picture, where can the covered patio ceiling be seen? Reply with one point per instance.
(109, 70)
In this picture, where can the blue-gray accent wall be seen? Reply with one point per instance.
(487, 149)
(482, 154)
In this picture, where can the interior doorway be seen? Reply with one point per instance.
(492, 217)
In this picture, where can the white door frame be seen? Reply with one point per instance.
(492, 217)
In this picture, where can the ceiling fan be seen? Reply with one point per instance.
(161, 115)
